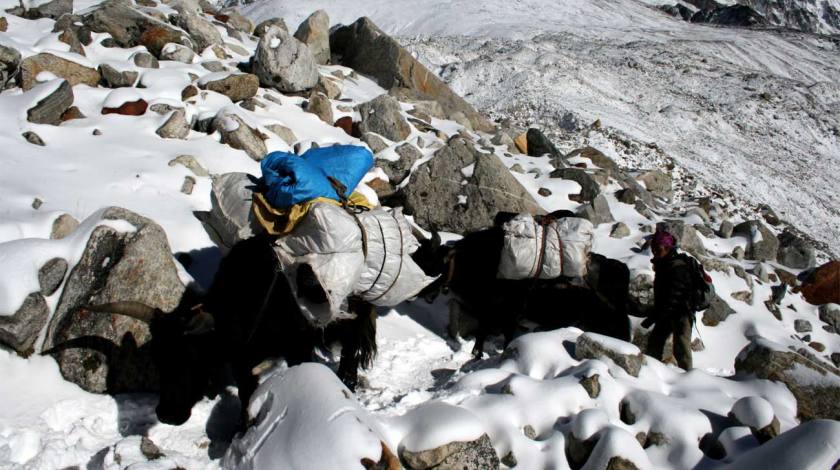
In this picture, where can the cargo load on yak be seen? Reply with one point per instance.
(545, 248)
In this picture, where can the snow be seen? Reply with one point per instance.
(754, 412)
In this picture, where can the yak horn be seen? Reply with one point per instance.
(134, 310)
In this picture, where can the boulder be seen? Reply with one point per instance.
(685, 234)
(283, 132)
(657, 181)
(51, 275)
(346, 124)
(383, 116)
(365, 48)
(638, 191)
(177, 53)
(315, 33)
(175, 127)
(236, 20)
(129, 108)
(189, 162)
(130, 27)
(52, 9)
(815, 385)
(113, 78)
(145, 60)
(589, 188)
(71, 71)
(436, 196)
(63, 226)
(539, 144)
(597, 211)
(717, 312)
(623, 354)
(620, 230)
(72, 33)
(33, 138)
(830, 314)
(795, 252)
(329, 87)
(9, 64)
(237, 134)
(757, 414)
(729, 15)
(263, 27)
(473, 455)
(284, 63)
(374, 141)
(50, 109)
(202, 32)
(398, 170)
(762, 244)
(101, 352)
(20, 330)
(4, 24)
(597, 158)
(319, 104)
(236, 86)
(822, 286)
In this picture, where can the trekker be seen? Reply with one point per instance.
(672, 312)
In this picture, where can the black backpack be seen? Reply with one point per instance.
(702, 288)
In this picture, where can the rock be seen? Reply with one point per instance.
(72, 33)
(757, 414)
(328, 87)
(435, 194)
(685, 234)
(145, 60)
(9, 65)
(830, 314)
(656, 181)
(620, 230)
(44, 62)
(63, 226)
(188, 185)
(129, 108)
(214, 66)
(233, 18)
(177, 52)
(539, 144)
(625, 196)
(374, 141)
(188, 92)
(835, 358)
(33, 138)
(717, 312)
(762, 244)
(52, 9)
(597, 158)
(130, 27)
(20, 330)
(769, 215)
(517, 168)
(597, 211)
(398, 170)
(50, 109)
(51, 275)
(163, 108)
(115, 266)
(795, 252)
(638, 191)
(284, 63)
(365, 48)
(202, 32)
(236, 86)
(237, 134)
(641, 290)
(619, 463)
(346, 124)
(320, 106)
(589, 188)
(473, 455)
(176, 127)
(817, 346)
(802, 326)
(315, 33)
(745, 296)
(815, 385)
(191, 164)
(72, 112)
(738, 253)
(283, 132)
(595, 346)
(591, 385)
(113, 78)
(4, 24)
(383, 116)
(544, 192)
(263, 27)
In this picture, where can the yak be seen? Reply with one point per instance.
(248, 315)
(598, 303)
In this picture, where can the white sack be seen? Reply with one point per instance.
(528, 253)
(230, 215)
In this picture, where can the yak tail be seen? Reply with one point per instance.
(135, 310)
(366, 332)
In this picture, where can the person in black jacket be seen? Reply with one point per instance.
(672, 313)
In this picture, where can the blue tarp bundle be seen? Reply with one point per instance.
(291, 179)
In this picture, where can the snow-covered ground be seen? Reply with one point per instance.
(688, 88)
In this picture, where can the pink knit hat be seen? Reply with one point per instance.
(663, 239)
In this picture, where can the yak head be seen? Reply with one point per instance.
(184, 349)
(433, 258)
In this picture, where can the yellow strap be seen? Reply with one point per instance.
(280, 222)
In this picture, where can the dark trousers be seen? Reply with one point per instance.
(680, 327)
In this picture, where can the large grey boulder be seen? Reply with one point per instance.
(472, 455)
(657, 181)
(20, 330)
(315, 33)
(236, 20)
(762, 244)
(623, 354)
(685, 234)
(437, 198)
(236, 86)
(263, 27)
(72, 32)
(178, 53)
(50, 109)
(202, 32)
(830, 314)
(101, 352)
(114, 78)
(382, 115)
(319, 104)
(397, 170)
(237, 134)
(129, 27)
(284, 63)
(71, 71)
(597, 211)
(589, 188)
(368, 50)
(9, 63)
(795, 252)
(717, 312)
(52, 9)
(816, 385)
(175, 127)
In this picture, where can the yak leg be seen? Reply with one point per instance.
(358, 342)
(246, 382)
